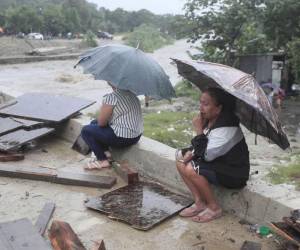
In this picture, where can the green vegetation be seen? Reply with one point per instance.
(89, 39)
(187, 89)
(171, 128)
(53, 18)
(229, 27)
(148, 38)
(287, 174)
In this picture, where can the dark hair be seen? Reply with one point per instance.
(223, 98)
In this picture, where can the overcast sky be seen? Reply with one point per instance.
(155, 6)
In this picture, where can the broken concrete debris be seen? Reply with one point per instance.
(289, 228)
(44, 217)
(33, 115)
(46, 107)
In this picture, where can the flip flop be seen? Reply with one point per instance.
(207, 215)
(191, 211)
(96, 165)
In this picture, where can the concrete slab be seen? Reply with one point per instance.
(46, 107)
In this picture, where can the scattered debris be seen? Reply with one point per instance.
(250, 245)
(80, 146)
(289, 228)
(49, 107)
(60, 177)
(8, 103)
(21, 235)
(44, 218)
(62, 237)
(124, 169)
(5, 156)
(15, 139)
(142, 205)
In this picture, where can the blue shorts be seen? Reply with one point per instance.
(205, 169)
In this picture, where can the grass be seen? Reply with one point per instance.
(289, 173)
(187, 89)
(171, 128)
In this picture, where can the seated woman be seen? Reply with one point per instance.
(119, 124)
(219, 155)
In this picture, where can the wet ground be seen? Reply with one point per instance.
(24, 198)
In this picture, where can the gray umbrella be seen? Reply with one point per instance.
(252, 105)
(129, 69)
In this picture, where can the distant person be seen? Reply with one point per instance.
(274, 93)
(119, 124)
(219, 155)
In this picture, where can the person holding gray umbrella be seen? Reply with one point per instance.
(119, 124)
(130, 72)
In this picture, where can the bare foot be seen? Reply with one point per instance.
(97, 165)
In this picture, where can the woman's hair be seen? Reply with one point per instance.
(223, 98)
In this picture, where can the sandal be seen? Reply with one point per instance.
(97, 165)
(207, 215)
(191, 211)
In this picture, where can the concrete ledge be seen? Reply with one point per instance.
(28, 59)
(258, 202)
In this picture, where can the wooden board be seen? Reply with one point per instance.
(21, 235)
(286, 232)
(62, 237)
(44, 218)
(4, 157)
(60, 177)
(292, 224)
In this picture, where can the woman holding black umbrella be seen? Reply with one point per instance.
(219, 155)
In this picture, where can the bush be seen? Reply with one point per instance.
(148, 38)
(89, 39)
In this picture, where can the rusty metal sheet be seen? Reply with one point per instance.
(9, 124)
(142, 205)
(15, 139)
(46, 107)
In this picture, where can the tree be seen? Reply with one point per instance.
(220, 24)
(53, 20)
(281, 21)
(23, 19)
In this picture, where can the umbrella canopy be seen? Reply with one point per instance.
(252, 105)
(128, 68)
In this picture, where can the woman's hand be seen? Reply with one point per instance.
(187, 156)
(198, 123)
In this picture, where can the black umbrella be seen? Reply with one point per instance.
(252, 105)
